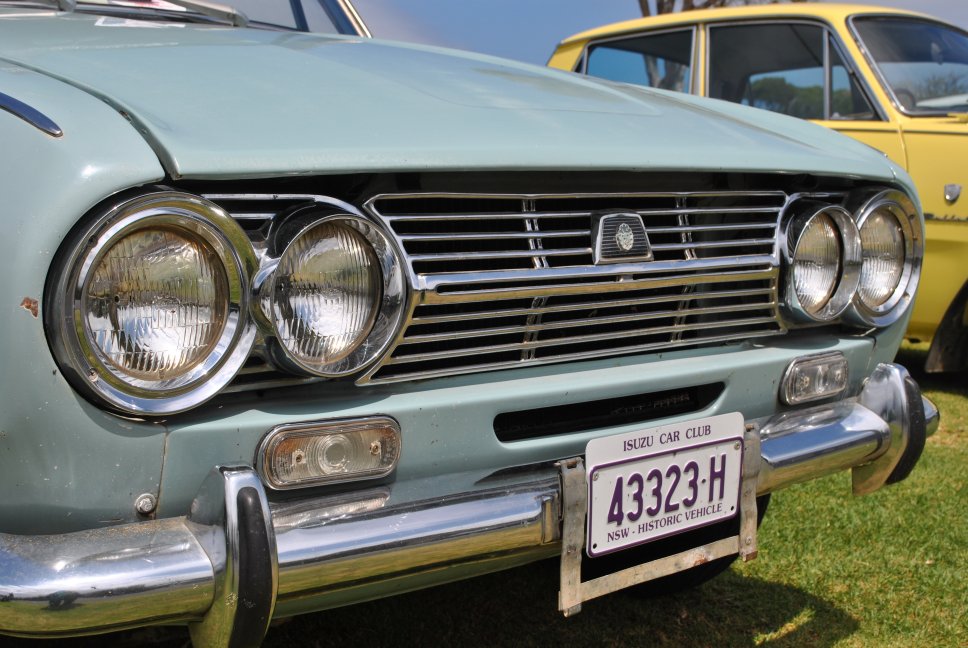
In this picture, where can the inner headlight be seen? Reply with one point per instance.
(335, 297)
(823, 248)
(816, 263)
(149, 309)
(892, 242)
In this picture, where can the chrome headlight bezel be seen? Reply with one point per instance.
(907, 216)
(389, 309)
(81, 358)
(845, 288)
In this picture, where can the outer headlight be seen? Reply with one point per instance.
(823, 256)
(892, 250)
(148, 313)
(335, 297)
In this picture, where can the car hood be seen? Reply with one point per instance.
(221, 102)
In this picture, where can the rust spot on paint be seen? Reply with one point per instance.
(700, 560)
(30, 305)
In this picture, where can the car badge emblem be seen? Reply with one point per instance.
(619, 237)
(625, 237)
(952, 192)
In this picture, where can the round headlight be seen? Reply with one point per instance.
(816, 263)
(824, 255)
(156, 303)
(892, 242)
(882, 245)
(151, 304)
(335, 297)
(326, 293)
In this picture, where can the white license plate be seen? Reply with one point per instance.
(661, 481)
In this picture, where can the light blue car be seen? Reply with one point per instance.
(293, 321)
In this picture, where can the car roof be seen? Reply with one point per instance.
(833, 13)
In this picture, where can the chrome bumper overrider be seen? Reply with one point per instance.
(236, 561)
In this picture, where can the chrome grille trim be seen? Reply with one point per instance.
(571, 357)
(431, 294)
(486, 332)
(458, 353)
(605, 304)
(715, 278)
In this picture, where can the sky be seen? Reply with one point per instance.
(528, 30)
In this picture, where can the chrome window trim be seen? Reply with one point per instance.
(354, 17)
(30, 115)
(585, 52)
(831, 32)
(885, 86)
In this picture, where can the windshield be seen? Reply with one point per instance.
(923, 63)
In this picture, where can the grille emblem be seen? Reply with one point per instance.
(619, 238)
(625, 237)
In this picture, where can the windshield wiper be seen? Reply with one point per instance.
(62, 5)
(210, 9)
(215, 10)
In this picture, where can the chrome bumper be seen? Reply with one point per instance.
(236, 561)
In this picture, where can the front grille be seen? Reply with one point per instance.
(509, 280)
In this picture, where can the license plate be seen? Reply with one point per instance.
(661, 481)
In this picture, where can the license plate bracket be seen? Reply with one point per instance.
(575, 507)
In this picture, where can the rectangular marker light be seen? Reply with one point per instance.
(814, 378)
(308, 454)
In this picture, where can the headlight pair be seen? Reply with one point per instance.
(157, 305)
(863, 267)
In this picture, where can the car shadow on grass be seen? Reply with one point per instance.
(913, 357)
(519, 608)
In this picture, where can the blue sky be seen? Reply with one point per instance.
(528, 30)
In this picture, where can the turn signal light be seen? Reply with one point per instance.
(814, 378)
(309, 454)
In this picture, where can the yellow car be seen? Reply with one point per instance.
(895, 80)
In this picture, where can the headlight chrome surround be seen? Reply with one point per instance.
(902, 208)
(389, 304)
(845, 285)
(194, 219)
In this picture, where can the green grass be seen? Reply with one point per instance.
(889, 569)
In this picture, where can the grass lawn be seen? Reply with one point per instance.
(888, 569)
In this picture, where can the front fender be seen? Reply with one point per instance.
(64, 464)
